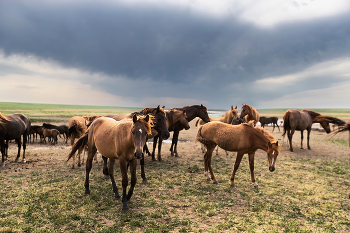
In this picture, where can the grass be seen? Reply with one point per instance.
(302, 195)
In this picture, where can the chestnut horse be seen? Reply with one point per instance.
(303, 120)
(123, 140)
(13, 127)
(243, 138)
(77, 127)
(176, 120)
(226, 118)
(159, 127)
(191, 113)
(249, 114)
(62, 129)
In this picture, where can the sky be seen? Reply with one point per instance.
(145, 53)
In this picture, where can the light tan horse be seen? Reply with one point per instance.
(249, 113)
(77, 127)
(226, 118)
(243, 138)
(123, 140)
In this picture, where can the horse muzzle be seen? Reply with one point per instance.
(272, 168)
(138, 155)
(165, 135)
(187, 128)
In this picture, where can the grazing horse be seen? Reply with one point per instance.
(226, 118)
(243, 138)
(251, 113)
(303, 120)
(51, 134)
(63, 129)
(191, 113)
(77, 127)
(159, 127)
(176, 120)
(13, 127)
(123, 140)
(269, 120)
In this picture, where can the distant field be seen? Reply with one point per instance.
(61, 113)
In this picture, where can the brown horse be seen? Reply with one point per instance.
(123, 140)
(226, 118)
(176, 120)
(249, 114)
(77, 127)
(269, 120)
(159, 127)
(243, 138)
(13, 127)
(303, 120)
(191, 113)
(51, 134)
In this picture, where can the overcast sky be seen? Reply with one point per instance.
(139, 53)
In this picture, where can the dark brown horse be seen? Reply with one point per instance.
(269, 120)
(77, 127)
(303, 120)
(243, 138)
(123, 140)
(176, 120)
(248, 113)
(191, 113)
(13, 127)
(159, 127)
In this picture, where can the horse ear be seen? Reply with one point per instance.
(277, 143)
(236, 107)
(147, 118)
(231, 107)
(202, 106)
(158, 108)
(134, 118)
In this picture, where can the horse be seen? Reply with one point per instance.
(51, 134)
(226, 118)
(237, 121)
(63, 129)
(77, 127)
(191, 113)
(243, 138)
(269, 120)
(252, 114)
(123, 140)
(176, 120)
(303, 120)
(13, 127)
(158, 127)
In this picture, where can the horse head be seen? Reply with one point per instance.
(160, 123)
(237, 121)
(272, 152)
(183, 120)
(203, 114)
(324, 122)
(139, 131)
(245, 110)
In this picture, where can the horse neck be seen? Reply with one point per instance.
(191, 113)
(260, 141)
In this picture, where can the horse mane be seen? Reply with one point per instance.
(312, 113)
(4, 119)
(90, 118)
(148, 123)
(246, 105)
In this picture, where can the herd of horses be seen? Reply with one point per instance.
(124, 137)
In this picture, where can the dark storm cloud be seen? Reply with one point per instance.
(171, 45)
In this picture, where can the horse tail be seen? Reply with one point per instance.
(286, 125)
(73, 130)
(197, 122)
(79, 144)
(202, 140)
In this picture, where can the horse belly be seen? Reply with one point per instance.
(106, 147)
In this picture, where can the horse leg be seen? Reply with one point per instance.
(18, 140)
(2, 147)
(88, 169)
(143, 175)
(83, 158)
(278, 128)
(24, 149)
(290, 137)
(202, 147)
(155, 139)
(236, 166)
(6, 149)
(105, 169)
(133, 164)
(251, 166)
(217, 150)
(111, 175)
(308, 138)
(176, 136)
(80, 150)
(209, 155)
(72, 143)
(124, 170)
(302, 138)
(160, 149)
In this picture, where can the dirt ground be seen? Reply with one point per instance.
(40, 156)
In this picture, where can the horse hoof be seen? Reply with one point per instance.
(145, 182)
(233, 186)
(117, 196)
(215, 182)
(23, 161)
(256, 185)
(87, 192)
(16, 160)
(79, 165)
(125, 207)
(177, 156)
(153, 159)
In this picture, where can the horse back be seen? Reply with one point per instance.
(17, 125)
